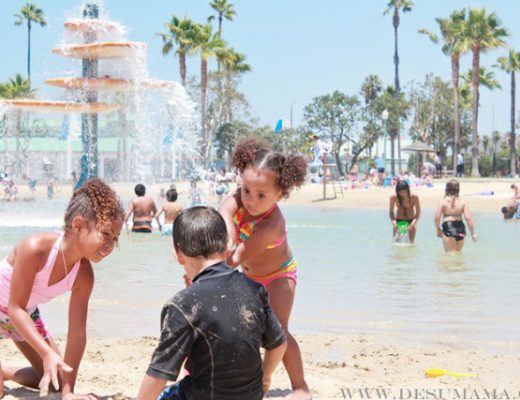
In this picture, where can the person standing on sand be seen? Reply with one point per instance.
(451, 209)
(143, 209)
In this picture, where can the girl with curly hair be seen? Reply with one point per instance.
(46, 265)
(258, 237)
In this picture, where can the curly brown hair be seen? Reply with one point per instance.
(96, 202)
(290, 171)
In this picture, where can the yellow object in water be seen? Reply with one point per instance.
(436, 373)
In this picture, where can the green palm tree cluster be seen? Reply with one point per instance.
(16, 88)
(184, 37)
(477, 31)
(30, 13)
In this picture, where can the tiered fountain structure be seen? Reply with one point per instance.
(115, 69)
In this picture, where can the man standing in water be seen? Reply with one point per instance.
(143, 209)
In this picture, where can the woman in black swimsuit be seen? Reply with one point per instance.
(408, 209)
(451, 208)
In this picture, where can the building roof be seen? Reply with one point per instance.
(55, 145)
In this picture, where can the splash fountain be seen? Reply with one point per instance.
(115, 78)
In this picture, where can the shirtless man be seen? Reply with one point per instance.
(144, 210)
(170, 210)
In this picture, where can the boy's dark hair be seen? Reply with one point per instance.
(171, 195)
(140, 189)
(200, 232)
(290, 171)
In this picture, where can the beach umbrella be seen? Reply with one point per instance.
(420, 148)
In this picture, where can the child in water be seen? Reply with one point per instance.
(258, 237)
(451, 209)
(408, 211)
(218, 323)
(170, 210)
(46, 265)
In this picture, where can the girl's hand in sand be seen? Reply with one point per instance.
(474, 237)
(52, 362)
(439, 232)
(266, 382)
(73, 396)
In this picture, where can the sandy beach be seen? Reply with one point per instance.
(312, 194)
(335, 364)
(113, 368)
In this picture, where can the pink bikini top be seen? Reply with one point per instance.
(41, 291)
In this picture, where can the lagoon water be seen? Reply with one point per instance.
(352, 279)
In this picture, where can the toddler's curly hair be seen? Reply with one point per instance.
(290, 171)
(96, 202)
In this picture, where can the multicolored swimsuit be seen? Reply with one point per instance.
(288, 269)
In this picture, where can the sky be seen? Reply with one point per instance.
(297, 49)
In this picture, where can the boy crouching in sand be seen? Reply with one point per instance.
(218, 323)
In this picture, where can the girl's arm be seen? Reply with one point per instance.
(31, 254)
(129, 211)
(77, 336)
(264, 234)
(417, 209)
(469, 221)
(391, 210)
(228, 209)
(157, 215)
(438, 215)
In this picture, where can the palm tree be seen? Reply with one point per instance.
(209, 44)
(485, 143)
(486, 79)
(395, 6)
(511, 65)
(371, 88)
(179, 33)
(234, 64)
(452, 29)
(483, 32)
(30, 13)
(15, 89)
(224, 10)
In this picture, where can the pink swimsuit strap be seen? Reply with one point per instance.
(41, 286)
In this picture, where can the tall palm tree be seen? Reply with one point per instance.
(30, 13)
(483, 32)
(234, 64)
(453, 45)
(179, 33)
(486, 79)
(209, 44)
(395, 6)
(511, 65)
(224, 10)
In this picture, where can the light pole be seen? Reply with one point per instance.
(384, 116)
(291, 114)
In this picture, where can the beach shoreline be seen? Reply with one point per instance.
(376, 198)
(334, 363)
